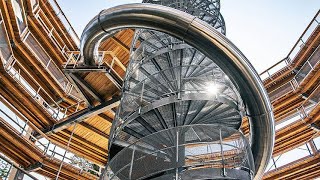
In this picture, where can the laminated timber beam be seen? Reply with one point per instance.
(50, 166)
(81, 141)
(82, 147)
(308, 48)
(296, 134)
(121, 44)
(9, 99)
(14, 153)
(305, 168)
(26, 69)
(17, 147)
(314, 80)
(80, 150)
(45, 5)
(16, 166)
(95, 130)
(84, 114)
(293, 135)
(105, 117)
(22, 96)
(20, 49)
(68, 171)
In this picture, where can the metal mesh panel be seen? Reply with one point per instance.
(187, 147)
(179, 110)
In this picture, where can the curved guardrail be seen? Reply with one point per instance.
(187, 148)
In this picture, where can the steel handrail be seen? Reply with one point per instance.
(288, 58)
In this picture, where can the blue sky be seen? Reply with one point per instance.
(264, 31)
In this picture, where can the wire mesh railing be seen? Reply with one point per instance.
(186, 147)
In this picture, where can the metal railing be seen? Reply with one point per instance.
(308, 106)
(311, 63)
(53, 107)
(47, 63)
(60, 14)
(16, 75)
(53, 35)
(47, 147)
(219, 147)
(277, 162)
(103, 63)
(6, 165)
(151, 88)
(286, 62)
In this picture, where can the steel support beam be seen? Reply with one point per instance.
(87, 87)
(84, 114)
(81, 91)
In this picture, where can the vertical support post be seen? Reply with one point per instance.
(177, 154)
(68, 145)
(131, 164)
(223, 173)
(53, 151)
(141, 95)
(47, 148)
(65, 112)
(313, 147)
(179, 80)
(78, 104)
(310, 65)
(47, 66)
(274, 163)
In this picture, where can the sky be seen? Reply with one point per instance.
(264, 30)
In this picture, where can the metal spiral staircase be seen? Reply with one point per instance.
(170, 86)
(185, 93)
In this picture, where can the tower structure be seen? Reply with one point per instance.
(180, 113)
(186, 92)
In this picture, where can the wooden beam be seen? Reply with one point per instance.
(81, 142)
(105, 117)
(80, 151)
(301, 165)
(95, 130)
(87, 87)
(121, 44)
(25, 98)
